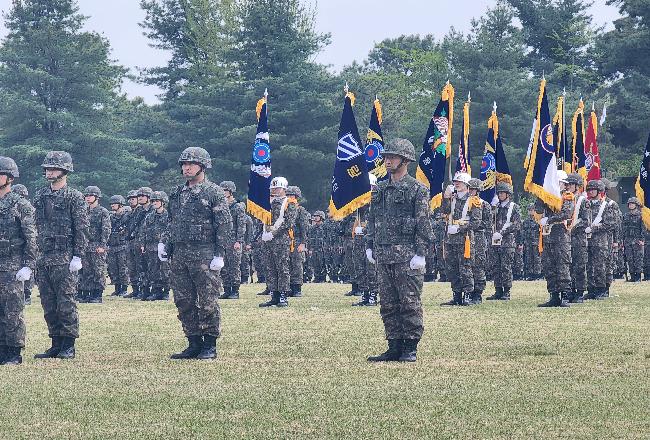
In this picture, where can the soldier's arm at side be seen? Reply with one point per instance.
(106, 229)
(80, 224)
(423, 230)
(28, 228)
(222, 224)
(370, 226)
(240, 222)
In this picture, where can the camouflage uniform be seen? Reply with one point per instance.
(633, 235)
(298, 236)
(118, 268)
(518, 260)
(317, 249)
(22, 191)
(62, 224)
(430, 270)
(439, 232)
(398, 231)
(480, 251)
(155, 226)
(347, 244)
(616, 255)
(532, 257)
(365, 272)
(259, 258)
(93, 274)
(245, 265)
(132, 254)
(577, 225)
(17, 250)
(504, 254)
(599, 245)
(137, 263)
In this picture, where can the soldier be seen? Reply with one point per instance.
(556, 248)
(17, 263)
(633, 236)
(439, 232)
(200, 229)
(480, 244)
(317, 242)
(397, 236)
(578, 223)
(346, 237)
(518, 260)
(93, 274)
(231, 273)
(532, 256)
(603, 220)
(22, 191)
(259, 259)
(616, 253)
(155, 225)
(464, 217)
(140, 236)
(298, 245)
(365, 272)
(507, 223)
(247, 251)
(62, 224)
(118, 267)
(277, 243)
(139, 210)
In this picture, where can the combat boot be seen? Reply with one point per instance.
(372, 299)
(195, 346)
(209, 349)
(354, 291)
(409, 350)
(393, 353)
(497, 294)
(12, 357)
(428, 278)
(164, 295)
(145, 293)
(226, 292)
(3, 353)
(275, 298)
(118, 289)
(283, 299)
(67, 349)
(476, 297)
(554, 301)
(264, 292)
(95, 297)
(296, 291)
(364, 299)
(577, 297)
(601, 294)
(52, 351)
(505, 296)
(28, 297)
(456, 300)
(134, 291)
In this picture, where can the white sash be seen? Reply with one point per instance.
(280, 218)
(508, 217)
(575, 220)
(599, 217)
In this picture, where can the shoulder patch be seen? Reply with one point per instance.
(475, 202)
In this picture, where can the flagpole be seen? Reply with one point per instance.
(563, 138)
(449, 161)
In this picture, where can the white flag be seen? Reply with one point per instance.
(603, 116)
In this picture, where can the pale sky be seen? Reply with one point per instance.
(355, 25)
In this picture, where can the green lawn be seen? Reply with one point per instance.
(501, 370)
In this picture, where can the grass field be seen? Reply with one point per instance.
(501, 370)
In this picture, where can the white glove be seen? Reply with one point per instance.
(449, 191)
(588, 230)
(497, 236)
(75, 264)
(369, 256)
(452, 229)
(358, 230)
(23, 274)
(216, 264)
(162, 255)
(543, 221)
(267, 236)
(418, 262)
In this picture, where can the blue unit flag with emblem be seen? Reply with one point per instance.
(375, 144)
(463, 163)
(350, 182)
(489, 162)
(259, 182)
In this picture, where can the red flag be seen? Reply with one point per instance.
(592, 159)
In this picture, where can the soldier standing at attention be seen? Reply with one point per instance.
(507, 223)
(144, 202)
(532, 256)
(200, 229)
(247, 251)
(603, 220)
(118, 268)
(397, 236)
(132, 250)
(614, 237)
(62, 224)
(577, 225)
(480, 244)
(277, 243)
(556, 245)
(231, 273)
(316, 248)
(298, 245)
(22, 191)
(365, 272)
(17, 263)
(439, 232)
(93, 274)
(155, 225)
(633, 236)
(464, 216)
(136, 217)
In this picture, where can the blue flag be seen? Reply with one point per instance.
(259, 194)
(503, 170)
(350, 183)
(375, 144)
(643, 185)
(489, 162)
(463, 162)
(436, 148)
(578, 128)
(541, 177)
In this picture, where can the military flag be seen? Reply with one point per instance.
(592, 158)
(643, 185)
(559, 138)
(578, 144)
(436, 148)
(350, 182)
(541, 178)
(530, 143)
(463, 162)
(259, 194)
(494, 167)
(375, 144)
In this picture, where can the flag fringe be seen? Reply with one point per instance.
(350, 207)
(258, 212)
(448, 95)
(419, 175)
(258, 108)
(380, 115)
(645, 210)
(502, 177)
(436, 201)
(555, 203)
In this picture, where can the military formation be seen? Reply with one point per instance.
(201, 244)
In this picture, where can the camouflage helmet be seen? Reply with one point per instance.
(320, 214)
(132, 194)
(93, 191)
(294, 190)
(117, 200)
(60, 160)
(145, 191)
(402, 148)
(160, 195)
(595, 184)
(20, 189)
(196, 155)
(474, 184)
(8, 166)
(228, 185)
(634, 200)
(575, 179)
(504, 187)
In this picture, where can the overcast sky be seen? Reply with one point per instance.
(355, 26)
